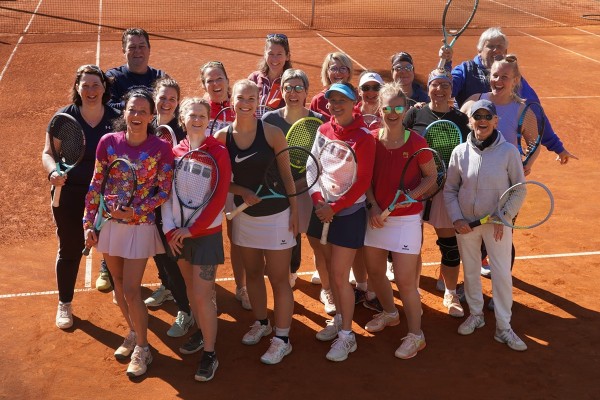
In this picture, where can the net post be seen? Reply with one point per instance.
(312, 15)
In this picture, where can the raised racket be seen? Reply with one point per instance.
(67, 142)
(302, 134)
(221, 120)
(423, 176)
(195, 181)
(532, 123)
(338, 166)
(277, 173)
(532, 200)
(442, 136)
(165, 133)
(457, 16)
(117, 190)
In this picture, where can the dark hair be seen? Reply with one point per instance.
(90, 70)
(166, 81)
(119, 124)
(218, 65)
(134, 32)
(281, 40)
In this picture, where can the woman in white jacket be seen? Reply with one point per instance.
(480, 170)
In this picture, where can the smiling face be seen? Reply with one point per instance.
(137, 52)
(166, 102)
(341, 108)
(482, 126)
(137, 115)
(492, 49)
(195, 119)
(369, 92)
(216, 84)
(275, 57)
(392, 120)
(440, 91)
(292, 97)
(503, 80)
(90, 89)
(337, 72)
(245, 100)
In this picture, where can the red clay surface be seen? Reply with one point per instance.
(556, 310)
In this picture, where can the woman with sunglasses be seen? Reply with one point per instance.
(480, 170)
(295, 89)
(215, 82)
(400, 233)
(266, 230)
(438, 108)
(403, 72)
(276, 59)
(336, 68)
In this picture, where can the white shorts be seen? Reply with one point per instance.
(438, 216)
(400, 235)
(270, 232)
(129, 241)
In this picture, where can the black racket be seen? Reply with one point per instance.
(195, 181)
(221, 120)
(277, 173)
(423, 176)
(67, 142)
(165, 133)
(532, 123)
(457, 16)
(117, 190)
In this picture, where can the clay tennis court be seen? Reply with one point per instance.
(556, 276)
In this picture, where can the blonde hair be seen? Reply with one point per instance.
(244, 83)
(511, 61)
(336, 56)
(186, 105)
(390, 91)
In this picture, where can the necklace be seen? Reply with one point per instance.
(435, 115)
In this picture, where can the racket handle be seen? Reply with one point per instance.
(56, 197)
(86, 251)
(386, 213)
(231, 215)
(441, 63)
(325, 233)
(475, 224)
(427, 210)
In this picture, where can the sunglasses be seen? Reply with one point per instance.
(297, 88)
(277, 36)
(407, 68)
(375, 87)
(342, 70)
(397, 109)
(487, 117)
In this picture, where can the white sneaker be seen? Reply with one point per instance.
(315, 279)
(486, 272)
(472, 322)
(341, 347)
(293, 277)
(127, 347)
(452, 302)
(410, 346)
(332, 327)
(182, 324)
(140, 359)
(241, 294)
(326, 298)
(381, 320)
(276, 351)
(158, 297)
(64, 315)
(257, 332)
(509, 337)
(389, 272)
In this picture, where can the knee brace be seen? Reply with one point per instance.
(449, 250)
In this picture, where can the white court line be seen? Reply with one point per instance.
(570, 97)
(292, 15)
(526, 12)
(19, 41)
(560, 47)
(534, 257)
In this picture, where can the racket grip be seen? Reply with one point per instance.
(56, 197)
(325, 233)
(475, 224)
(86, 251)
(427, 210)
(386, 213)
(231, 215)
(441, 63)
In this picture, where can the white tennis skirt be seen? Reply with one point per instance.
(400, 234)
(270, 232)
(129, 241)
(438, 216)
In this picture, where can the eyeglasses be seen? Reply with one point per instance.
(341, 70)
(478, 117)
(280, 36)
(297, 88)
(397, 109)
(375, 87)
(407, 68)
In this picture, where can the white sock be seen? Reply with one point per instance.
(447, 291)
(361, 285)
(282, 332)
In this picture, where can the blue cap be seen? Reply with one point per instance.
(483, 104)
(341, 88)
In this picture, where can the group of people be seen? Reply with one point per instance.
(381, 122)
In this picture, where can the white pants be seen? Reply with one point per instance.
(499, 254)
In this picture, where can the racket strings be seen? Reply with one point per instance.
(458, 15)
(303, 134)
(431, 176)
(443, 137)
(532, 201)
(532, 129)
(166, 134)
(338, 170)
(195, 180)
(72, 141)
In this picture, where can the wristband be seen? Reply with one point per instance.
(50, 174)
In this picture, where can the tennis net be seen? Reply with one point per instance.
(61, 16)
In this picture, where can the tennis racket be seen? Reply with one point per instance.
(442, 136)
(423, 176)
(457, 16)
(338, 166)
(372, 120)
(67, 142)
(275, 177)
(262, 110)
(165, 133)
(221, 120)
(532, 123)
(302, 134)
(195, 181)
(117, 189)
(532, 200)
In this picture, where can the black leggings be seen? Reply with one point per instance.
(69, 230)
(296, 255)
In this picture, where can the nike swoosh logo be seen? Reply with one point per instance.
(237, 158)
